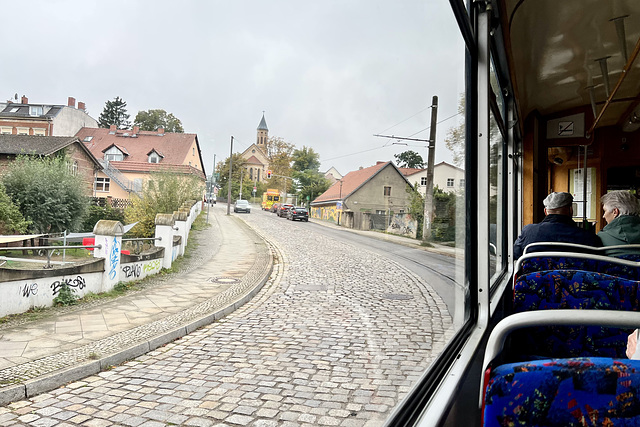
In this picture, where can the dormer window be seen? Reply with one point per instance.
(154, 157)
(113, 154)
(35, 110)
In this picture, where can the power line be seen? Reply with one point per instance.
(353, 154)
(425, 109)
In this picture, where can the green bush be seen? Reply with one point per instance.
(96, 213)
(66, 296)
(163, 193)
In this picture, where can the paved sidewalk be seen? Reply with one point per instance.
(229, 265)
(401, 240)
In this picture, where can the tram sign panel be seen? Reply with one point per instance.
(339, 206)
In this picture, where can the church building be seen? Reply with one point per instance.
(257, 162)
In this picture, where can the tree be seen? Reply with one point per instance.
(416, 205)
(153, 119)
(114, 113)
(47, 193)
(455, 139)
(409, 159)
(311, 183)
(11, 220)
(305, 159)
(279, 153)
(164, 193)
(238, 170)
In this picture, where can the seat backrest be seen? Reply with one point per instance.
(586, 391)
(574, 289)
(625, 266)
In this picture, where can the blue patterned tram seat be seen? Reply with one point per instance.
(573, 289)
(595, 391)
(564, 392)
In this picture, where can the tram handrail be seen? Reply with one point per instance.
(584, 248)
(495, 344)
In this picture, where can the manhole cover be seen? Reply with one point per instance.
(224, 280)
(398, 297)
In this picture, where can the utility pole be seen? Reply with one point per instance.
(229, 184)
(428, 197)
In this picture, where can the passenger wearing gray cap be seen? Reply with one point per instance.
(557, 226)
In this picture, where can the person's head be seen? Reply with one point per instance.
(619, 202)
(558, 204)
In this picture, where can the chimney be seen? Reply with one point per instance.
(160, 131)
(136, 129)
(25, 100)
(71, 102)
(112, 129)
(378, 163)
(81, 106)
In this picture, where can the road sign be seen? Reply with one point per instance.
(255, 189)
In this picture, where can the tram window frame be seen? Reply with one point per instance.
(467, 337)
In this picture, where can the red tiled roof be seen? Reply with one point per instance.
(147, 167)
(410, 171)
(175, 147)
(350, 183)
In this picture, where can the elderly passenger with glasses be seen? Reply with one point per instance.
(622, 214)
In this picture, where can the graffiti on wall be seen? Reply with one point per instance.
(29, 289)
(133, 270)
(114, 258)
(404, 225)
(78, 283)
(327, 213)
(152, 266)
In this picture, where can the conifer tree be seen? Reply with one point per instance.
(114, 113)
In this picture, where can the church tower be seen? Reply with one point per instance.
(263, 135)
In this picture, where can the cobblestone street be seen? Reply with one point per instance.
(336, 337)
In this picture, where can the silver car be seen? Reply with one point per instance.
(242, 206)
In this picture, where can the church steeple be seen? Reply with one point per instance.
(263, 133)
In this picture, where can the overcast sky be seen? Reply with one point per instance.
(328, 75)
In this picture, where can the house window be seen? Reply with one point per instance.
(193, 151)
(380, 212)
(102, 184)
(87, 138)
(387, 191)
(450, 182)
(6, 130)
(251, 174)
(258, 174)
(39, 131)
(423, 180)
(154, 158)
(137, 184)
(23, 131)
(73, 168)
(35, 110)
(113, 155)
(461, 183)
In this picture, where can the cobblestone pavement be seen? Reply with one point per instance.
(336, 338)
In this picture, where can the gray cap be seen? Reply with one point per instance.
(558, 200)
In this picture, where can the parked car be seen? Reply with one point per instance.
(242, 206)
(298, 212)
(274, 207)
(282, 209)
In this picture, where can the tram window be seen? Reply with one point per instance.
(497, 196)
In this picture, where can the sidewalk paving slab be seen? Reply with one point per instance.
(228, 266)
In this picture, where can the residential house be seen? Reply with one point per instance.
(447, 177)
(44, 119)
(81, 161)
(129, 156)
(256, 156)
(378, 191)
(333, 175)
